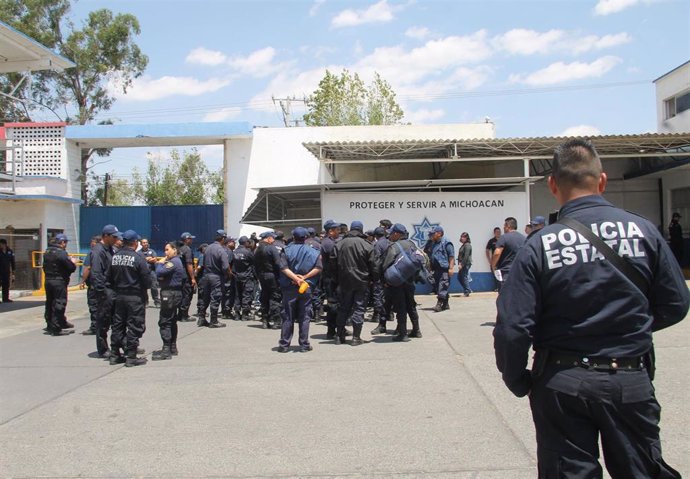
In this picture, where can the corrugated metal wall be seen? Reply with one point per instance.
(158, 223)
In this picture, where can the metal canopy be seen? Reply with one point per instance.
(19, 53)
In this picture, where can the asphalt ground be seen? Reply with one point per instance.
(230, 406)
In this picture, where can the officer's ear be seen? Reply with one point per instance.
(601, 186)
(553, 187)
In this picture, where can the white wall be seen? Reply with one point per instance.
(43, 215)
(671, 84)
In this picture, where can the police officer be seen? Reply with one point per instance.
(91, 299)
(355, 265)
(329, 276)
(267, 264)
(591, 325)
(229, 292)
(198, 275)
(402, 296)
(150, 257)
(313, 240)
(58, 267)
(379, 292)
(101, 258)
(675, 235)
(506, 250)
(130, 278)
(216, 269)
(171, 275)
(7, 268)
(245, 279)
(442, 258)
(187, 257)
(299, 263)
(316, 290)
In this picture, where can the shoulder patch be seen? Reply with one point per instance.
(169, 265)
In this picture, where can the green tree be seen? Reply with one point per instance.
(184, 180)
(346, 100)
(120, 191)
(104, 52)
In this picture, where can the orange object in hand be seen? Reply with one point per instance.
(303, 287)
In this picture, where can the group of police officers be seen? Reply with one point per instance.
(588, 318)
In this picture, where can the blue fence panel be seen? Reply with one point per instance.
(93, 218)
(169, 222)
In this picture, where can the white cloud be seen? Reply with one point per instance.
(520, 41)
(203, 56)
(560, 72)
(606, 7)
(257, 64)
(420, 33)
(380, 12)
(212, 155)
(147, 88)
(223, 114)
(581, 130)
(424, 116)
(288, 84)
(315, 8)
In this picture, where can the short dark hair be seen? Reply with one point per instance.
(511, 222)
(576, 163)
(3, 241)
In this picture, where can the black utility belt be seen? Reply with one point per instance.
(596, 363)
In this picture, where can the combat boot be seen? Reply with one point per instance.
(116, 359)
(134, 361)
(340, 335)
(401, 338)
(162, 354)
(173, 349)
(214, 323)
(330, 333)
(415, 333)
(246, 315)
(439, 306)
(445, 305)
(380, 329)
(357, 331)
(201, 322)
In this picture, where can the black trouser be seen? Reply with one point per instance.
(56, 303)
(378, 292)
(572, 407)
(442, 280)
(212, 288)
(129, 323)
(167, 320)
(186, 301)
(104, 317)
(228, 295)
(404, 305)
(244, 293)
(271, 299)
(92, 302)
(331, 293)
(5, 277)
(352, 304)
(199, 294)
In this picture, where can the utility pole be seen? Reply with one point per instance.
(105, 189)
(286, 108)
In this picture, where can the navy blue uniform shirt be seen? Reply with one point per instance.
(300, 258)
(129, 272)
(101, 256)
(171, 273)
(511, 242)
(186, 256)
(216, 260)
(563, 295)
(243, 262)
(57, 264)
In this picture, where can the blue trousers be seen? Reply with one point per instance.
(297, 308)
(442, 281)
(463, 277)
(352, 304)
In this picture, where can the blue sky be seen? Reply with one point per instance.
(535, 68)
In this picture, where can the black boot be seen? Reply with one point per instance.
(116, 359)
(445, 304)
(415, 333)
(173, 349)
(380, 329)
(439, 306)
(340, 335)
(162, 354)
(134, 361)
(201, 322)
(356, 332)
(214, 323)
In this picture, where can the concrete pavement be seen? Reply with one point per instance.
(231, 406)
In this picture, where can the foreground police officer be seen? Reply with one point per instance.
(171, 275)
(442, 258)
(381, 313)
(130, 278)
(216, 269)
(245, 279)
(267, 264)
(187, 257)
(91, 299)
(229, 293)
(591, 327)
(150, 257)
(299, 263)
(58, 267)
(329, 277)
(101, 258)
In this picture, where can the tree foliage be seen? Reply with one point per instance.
(345, 100)
(104, 52)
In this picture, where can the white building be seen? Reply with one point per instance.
(673, 100)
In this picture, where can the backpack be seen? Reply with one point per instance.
(405, 267)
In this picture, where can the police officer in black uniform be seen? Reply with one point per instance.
(171, 274)
(381, 312)
(150, 257)
(91, 299)
(187, 257)
(316, 290)
(198, 275)
(329, 275)
(267, 264)
(130, 278)
(216, 269)
(245, 279)
(7, 267)
(58, 267)
(229, 289)
(101, 258)
(591, 326)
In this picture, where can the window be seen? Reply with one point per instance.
(676, 105)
